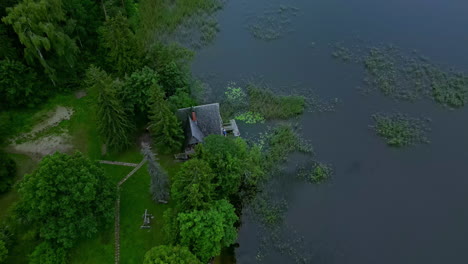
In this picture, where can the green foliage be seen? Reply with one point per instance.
(271, 106)
(160, 55)
(7, 172)
(205, 232)
(8, 50)
(166, 129)
(273, 24)
(67, 198)
(281, 141)
(136, 91)
(231, 160)
(381, 66)
(114, 123)
(250, 118)
(154, 24)
(119, 44)
(46, 253)
(170, 255)
(39, 28)
(193, 187)
(172, 78)
(3, 251)
(400, 130)
(18, 85)
(181, 99)
(449, 90)
(319, 173)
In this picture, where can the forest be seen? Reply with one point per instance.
(83, 81)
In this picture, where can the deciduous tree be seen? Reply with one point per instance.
(170, 255)
(67, 197)
(3, 251)
(18, 85)
(38, 24)
(205, 232)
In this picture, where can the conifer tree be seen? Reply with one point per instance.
(165, 127)
(114, 123)
(159, 187)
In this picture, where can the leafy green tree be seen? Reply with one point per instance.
(114, 123)
(159, 187)
(193, 187)
(164, 125)
(135, 93)
(38, 24)
(4, 251)
(17, 85)
(232, 161)
(84, 20)
(46, 253)
(67, 197)
(172, 78)
(205, 232)
(7, 172)
(118, 41)
(181, 99)
(170, 255)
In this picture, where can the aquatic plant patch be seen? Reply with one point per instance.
(271, 106)
(319, 173)
(273, 23)
(400, 130)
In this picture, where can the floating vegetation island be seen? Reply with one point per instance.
(407, 77)
(273, 24)
(256, 104)
(400, 130)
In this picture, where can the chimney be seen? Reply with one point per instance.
(194, 116)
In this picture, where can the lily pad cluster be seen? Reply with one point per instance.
(412, 77)
(400, 130)
(273, 23)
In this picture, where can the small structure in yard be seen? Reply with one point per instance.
(201, 121)
(146, 220)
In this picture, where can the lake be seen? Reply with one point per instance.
(383, 205)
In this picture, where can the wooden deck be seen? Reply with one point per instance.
(231, 128)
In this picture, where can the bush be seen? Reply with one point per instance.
(46, 253)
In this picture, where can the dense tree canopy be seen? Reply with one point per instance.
(3, 251)
(18, 84)
(68, 197)
(172, 78)
(136, 91)
(193, 187)
(232, 161)
(166, 129)
(39, 25)
(7, 172)
(170, 255)
(114, 123)
(118, 41)
(46, 253)
(205, 232)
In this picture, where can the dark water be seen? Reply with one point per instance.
(383, 205)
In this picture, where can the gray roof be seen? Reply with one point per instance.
(209, 122)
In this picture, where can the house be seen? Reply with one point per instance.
(201, 121)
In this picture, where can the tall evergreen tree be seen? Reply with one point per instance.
(159, 187)
(164, 125)
(118, 41)
(114, 121)
(39, 25)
